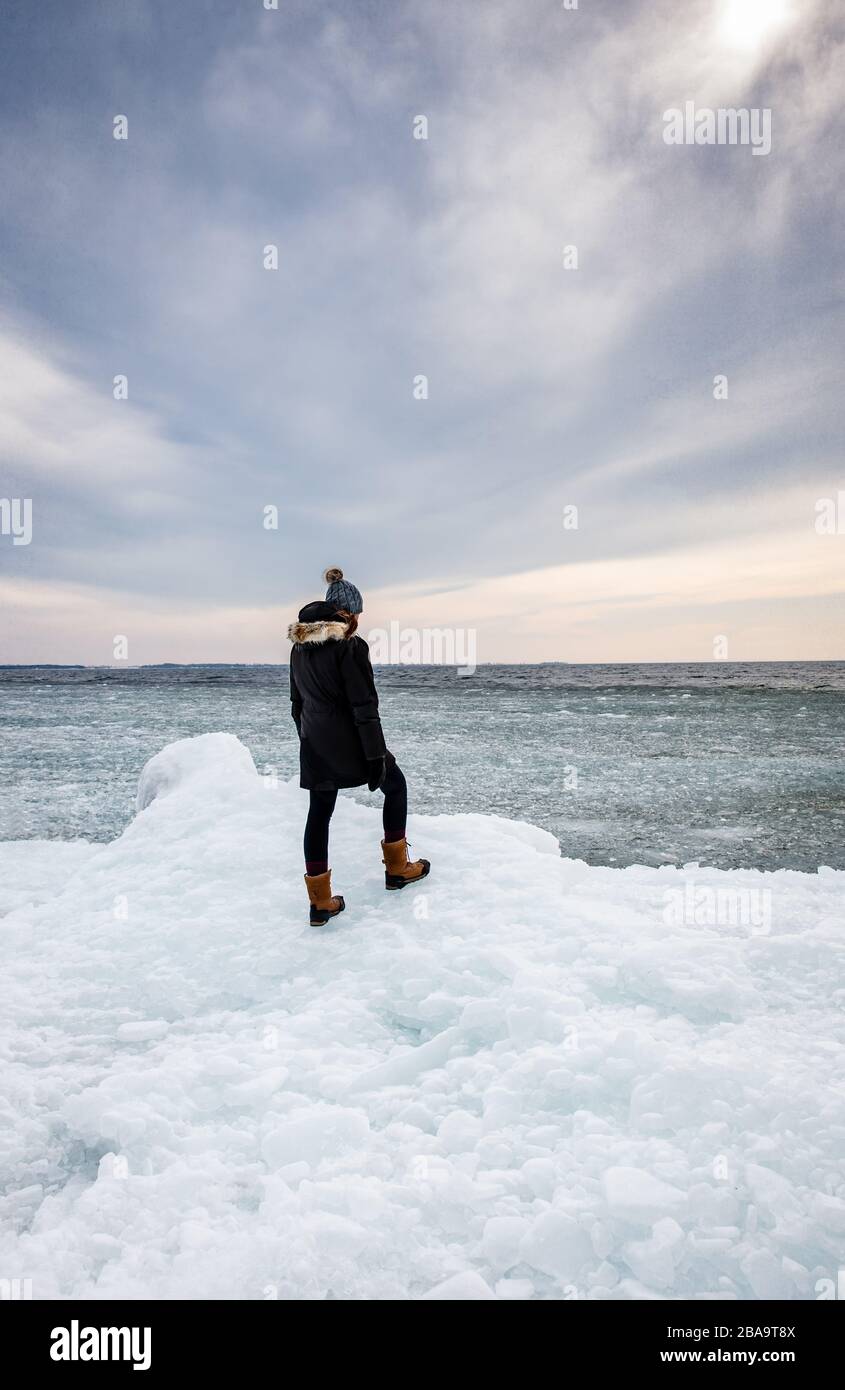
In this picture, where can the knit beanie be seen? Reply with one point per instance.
(341, 593)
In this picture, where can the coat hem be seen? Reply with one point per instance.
(330, 786)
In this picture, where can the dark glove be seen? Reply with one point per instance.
(377, 769)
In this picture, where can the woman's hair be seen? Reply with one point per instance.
(351, 620)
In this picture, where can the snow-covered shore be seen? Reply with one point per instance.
(527, 1078)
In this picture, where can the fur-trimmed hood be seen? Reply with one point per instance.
(301, 633)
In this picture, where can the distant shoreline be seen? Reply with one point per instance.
(396, 665)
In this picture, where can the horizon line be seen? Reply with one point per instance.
(406, 665)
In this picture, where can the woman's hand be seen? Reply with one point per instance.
(377, 768)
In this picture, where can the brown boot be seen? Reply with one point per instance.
(323, 905)
(399, 869)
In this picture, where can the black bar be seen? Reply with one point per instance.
(596, 1337)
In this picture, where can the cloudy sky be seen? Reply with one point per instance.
(549, 386)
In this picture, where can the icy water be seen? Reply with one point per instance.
(728, 764)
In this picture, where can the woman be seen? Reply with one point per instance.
(335, 708)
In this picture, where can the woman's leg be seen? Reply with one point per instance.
(316, 843)
(395, 812)
(399, 871)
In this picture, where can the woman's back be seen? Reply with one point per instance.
(316, 655)
(333, 700)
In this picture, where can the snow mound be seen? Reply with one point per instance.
(217, 759)
(526, 1078)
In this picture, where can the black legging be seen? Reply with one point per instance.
(322, 805)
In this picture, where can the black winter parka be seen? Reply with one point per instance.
(333, 701)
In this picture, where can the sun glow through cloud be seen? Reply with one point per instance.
(748, 23)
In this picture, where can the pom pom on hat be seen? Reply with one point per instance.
(341, 593)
